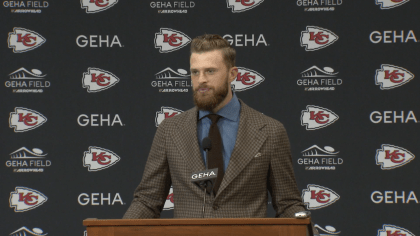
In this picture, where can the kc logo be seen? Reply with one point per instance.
(242, 5)
(94, 6)
(23, 40)
(96, 80)
(246, 79)
(392, 230)
(169, 40)
(316, 197)
(388, 4)
(24, 119)
(317, 117)
(390, 76)
(169, 204)
(98, 158)
(25, 199)
(391, 157)
(164, 113)
(315, 38)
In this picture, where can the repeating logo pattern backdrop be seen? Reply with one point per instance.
(86, 84)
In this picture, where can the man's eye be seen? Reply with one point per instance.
(210, 71)
(194, 73)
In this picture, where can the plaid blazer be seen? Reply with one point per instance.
(260, 161)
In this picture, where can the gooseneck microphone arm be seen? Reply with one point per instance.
(206, 143)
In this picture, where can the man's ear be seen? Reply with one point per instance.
(233, 72)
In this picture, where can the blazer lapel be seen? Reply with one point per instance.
(185, 138)
(249, 140)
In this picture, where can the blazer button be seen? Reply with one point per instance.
(215, 207)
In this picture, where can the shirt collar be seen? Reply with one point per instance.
(230, 111)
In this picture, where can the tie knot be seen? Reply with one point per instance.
(214, 118)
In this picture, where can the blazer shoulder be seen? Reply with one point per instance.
(259, 117)
(186, 116)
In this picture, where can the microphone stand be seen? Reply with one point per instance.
(205, 183)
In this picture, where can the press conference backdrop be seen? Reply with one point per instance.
(86, 83)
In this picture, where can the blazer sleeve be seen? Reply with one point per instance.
(281, 179)
(150, 195)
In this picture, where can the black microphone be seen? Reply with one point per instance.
(206, 143)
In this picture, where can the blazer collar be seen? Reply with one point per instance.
(249, 140)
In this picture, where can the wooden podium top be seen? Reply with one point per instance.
(195, 221)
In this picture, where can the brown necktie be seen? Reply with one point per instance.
(215, 157)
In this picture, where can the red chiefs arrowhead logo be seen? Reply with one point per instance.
(316, 197)
(390, 76)
(98, 158)
(315, 38)
(246, 79)
(96, 80)
(23, 40)
(392, 230)
(388, 4)
(242, 5)
(25, 199)
(315, 117)
(169, 203)
(24, 119)
(164, 113)
(94, 6)
(169, 40)
(391, 157)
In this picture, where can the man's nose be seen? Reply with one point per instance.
(202, 78)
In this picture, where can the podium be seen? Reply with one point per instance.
(202, 227)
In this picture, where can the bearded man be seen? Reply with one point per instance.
(253, 156)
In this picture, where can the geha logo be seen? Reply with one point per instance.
(389, 36)
(27, 232)
(172, 7)
(99, 199)
(103, 41)
(315, 156)
(392, 197)
(177, 81)
(327, 231)
(315, 117)
(388, 4)
(169, 203)
(241, 40)
(242, 5)
(94, 6)
(392, 230)
(246, 79)
(85, 120)
(390, 76)
(391, 157)
(23, 160)
(24, 119)
(319, 5)
(21, 79)
(23, 40)
(315, 38)
(169, 40)
(316, 77)
(96, 80)
(316, 197)
(392, 117)
(164, 113)
(98, 158)
(31, 6)
(25, 199)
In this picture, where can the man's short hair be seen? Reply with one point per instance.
(210, 42)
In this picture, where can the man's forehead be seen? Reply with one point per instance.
(211, 58)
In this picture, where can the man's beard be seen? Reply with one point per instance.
(210, 101)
